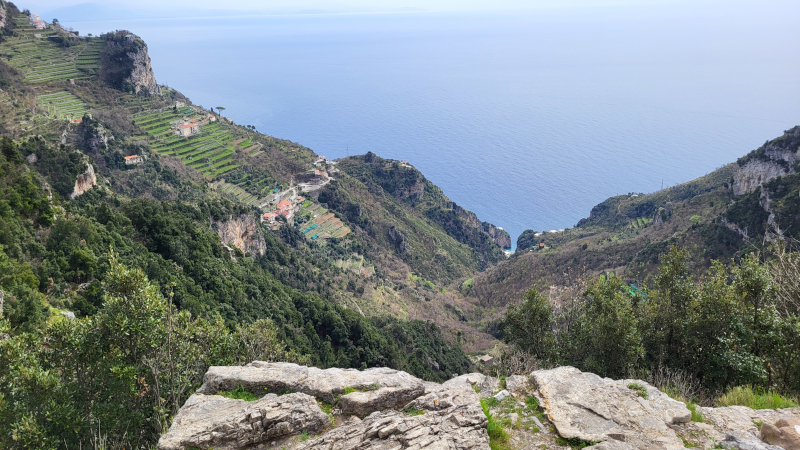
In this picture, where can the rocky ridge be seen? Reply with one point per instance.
(337, 409)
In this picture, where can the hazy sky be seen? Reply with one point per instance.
(346, 5)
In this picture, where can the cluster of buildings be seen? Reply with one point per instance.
(37, 22)
(284, 208)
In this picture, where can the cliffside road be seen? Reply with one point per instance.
(310, 408)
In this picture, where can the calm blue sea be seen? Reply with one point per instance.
(527, 118)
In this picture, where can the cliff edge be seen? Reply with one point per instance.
(126, 64)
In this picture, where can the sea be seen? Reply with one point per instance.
(528, 117)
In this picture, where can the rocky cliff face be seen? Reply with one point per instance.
(125, 64)
(381, 408)
(84, 181)
(95, 136)
(499, 235)
(3, 14)
(776, 158)
(243, 233)
(397, 237)
(142, 80)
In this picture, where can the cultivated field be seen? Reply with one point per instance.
(62, 105)
(41, 60)
(210, 151)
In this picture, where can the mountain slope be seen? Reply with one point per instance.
(732, 210)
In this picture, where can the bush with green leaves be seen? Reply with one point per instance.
(121, 373)
(732, 326)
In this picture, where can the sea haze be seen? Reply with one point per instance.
(529, 119)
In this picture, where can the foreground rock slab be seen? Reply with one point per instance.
(461, 427)
(373, 389)
(213, 421)
(731, 419)
(588, 407)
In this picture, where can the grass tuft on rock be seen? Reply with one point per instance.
(498, 436)
(640, 390)
(755, 399)
(240, 393)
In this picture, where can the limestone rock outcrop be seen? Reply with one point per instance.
(125, 64)
(774, 159)
(743, 419)
(243, 233)
(460, 427)
(95, 136)
(585, 406)
(84, 181)
(499, 235)
(397, 237)
(784, 433)
(213, 421)
(372, 389)
(375, 408)
(379, 408)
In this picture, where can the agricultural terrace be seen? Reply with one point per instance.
(210, 151)
(62, 105)
(240, 194)
(41, 60)
(316, 222)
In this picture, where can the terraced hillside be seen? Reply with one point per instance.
(210, 151)
(35, 53)
(240, 194)
(321, 224)
(62, 105)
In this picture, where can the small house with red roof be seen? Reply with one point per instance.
(189, 128)
(134, 159)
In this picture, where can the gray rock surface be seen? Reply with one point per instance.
(585, 406)
(742, 440)
(395, 388)
(516, 383)
(741, 418)
(784, 433)
(774, 159)
(612, 445)
(470, 379)
(502, 395)
(213, 421)
(445, 397)
(243, 233)
(68, 314)
(84, 181)
(488, 386)
(460, 427)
